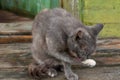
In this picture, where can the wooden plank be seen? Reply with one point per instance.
(55, 3)
(28, 8)
(109, 30)
(104, 46)
(74, 7)
(15, 58)
(15, 55)
(103, 42)
(14, 39)
(6, 16)
(15, 32)
(19, 60)
(16, 26)
(21, 28)
(18, 55)
(15, 48)
(96, 73)
(108, 61)
(14, 74)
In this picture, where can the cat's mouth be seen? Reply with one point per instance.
(79, 59)
(76, 57)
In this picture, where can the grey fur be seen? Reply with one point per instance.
(59, 37)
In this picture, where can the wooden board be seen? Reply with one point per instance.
(6, 16)
(16, 26)
(97, 73)
(19, 54)
(14, 39)
(75, 7)
(15, 32)
(28, 8)
(15, 58)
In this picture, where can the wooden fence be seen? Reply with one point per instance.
(89, 11)
(97, 11)
(28, 7)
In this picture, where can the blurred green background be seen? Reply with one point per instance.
(89, 11)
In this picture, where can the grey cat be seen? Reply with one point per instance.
(59, 38)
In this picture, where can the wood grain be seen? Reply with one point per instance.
(15, 39)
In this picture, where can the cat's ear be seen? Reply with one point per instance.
(79, 34)
(97, 28)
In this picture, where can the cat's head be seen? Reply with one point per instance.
(82, 42)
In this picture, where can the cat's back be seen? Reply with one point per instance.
(42, 25)
(47, 16)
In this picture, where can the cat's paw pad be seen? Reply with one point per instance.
(52, 72)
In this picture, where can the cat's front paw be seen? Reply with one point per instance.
(89, 62)
(52, 72)
(72, 76)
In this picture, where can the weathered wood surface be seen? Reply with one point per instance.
(14, 38)
(24, 28)
(29, 7)
(15, 32)
(97, 73)
(15, 58)
(6, 16)
(21, 51)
